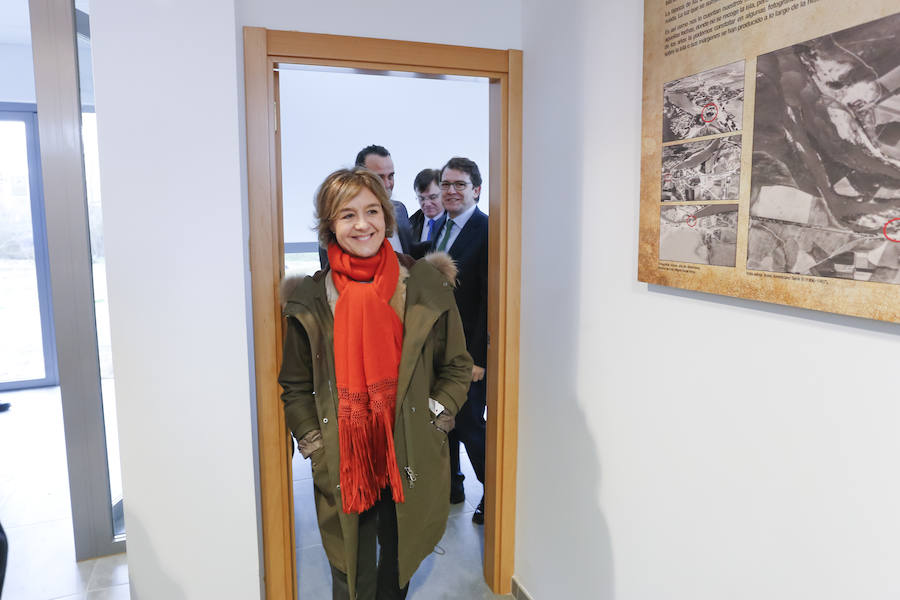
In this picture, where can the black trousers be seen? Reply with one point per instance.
(376, 575)
(4, 550)
(470, 430)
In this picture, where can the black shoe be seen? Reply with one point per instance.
(478, 515)
(4, 407)
(457, 495)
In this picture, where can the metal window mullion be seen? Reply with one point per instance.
(41, 257)
(68, 237)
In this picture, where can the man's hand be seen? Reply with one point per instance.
(477, 373)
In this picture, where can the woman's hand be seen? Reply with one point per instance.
(477, 373)
(444, 422)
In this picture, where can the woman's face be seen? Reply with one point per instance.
(359, 225)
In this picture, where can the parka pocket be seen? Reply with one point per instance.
(320, 471)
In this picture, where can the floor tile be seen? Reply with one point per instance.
(36, 512)
(109, 571)
(313, 573)
(453, 571)
(300, 467)
(42, 562)
(119, 592)
(35, 502)
(306, 527)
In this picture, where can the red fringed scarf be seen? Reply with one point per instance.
(368, 337)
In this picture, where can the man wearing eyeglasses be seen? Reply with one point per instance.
(465, 237)
(428, 220)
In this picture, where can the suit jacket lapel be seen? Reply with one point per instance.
(416, 222)
(468, 230)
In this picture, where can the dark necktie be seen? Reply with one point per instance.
(430, 229)
(449, 226)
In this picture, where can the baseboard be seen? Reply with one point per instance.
(519, 592)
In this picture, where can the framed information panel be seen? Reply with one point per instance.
(770, 161)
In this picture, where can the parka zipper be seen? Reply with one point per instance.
(411, 474)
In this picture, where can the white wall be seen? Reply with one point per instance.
(691, 447)
(492, 24)
(167, 86)
(169, 89)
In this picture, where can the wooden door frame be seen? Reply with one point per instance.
(263, 49)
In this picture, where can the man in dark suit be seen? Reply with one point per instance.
(428, 220)
(465, 237)
(378, 160)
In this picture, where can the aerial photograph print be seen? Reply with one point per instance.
(703, 234)
(705, 170)
(706, 103)
(825, 184)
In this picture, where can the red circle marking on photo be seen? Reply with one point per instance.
(691, 220)
(889, 238)
(705, 110)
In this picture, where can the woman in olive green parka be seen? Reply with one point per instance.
(434, 374)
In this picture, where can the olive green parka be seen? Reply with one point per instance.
(434, 363)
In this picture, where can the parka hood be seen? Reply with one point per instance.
(439, 260)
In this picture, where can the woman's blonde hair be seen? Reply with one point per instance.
(342, 186)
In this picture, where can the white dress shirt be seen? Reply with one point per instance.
(395, 243)
(458, 223)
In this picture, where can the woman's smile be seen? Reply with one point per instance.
(359, 225)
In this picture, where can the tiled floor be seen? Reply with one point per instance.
(452, 572)
(35, 509)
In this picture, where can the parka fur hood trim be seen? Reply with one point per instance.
(445, 264)
(439, 260)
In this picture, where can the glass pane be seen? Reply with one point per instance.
(98, 260)
(300, 263)
(22, 348)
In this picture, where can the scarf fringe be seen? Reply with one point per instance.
(366, 437)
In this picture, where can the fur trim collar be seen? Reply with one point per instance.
(445, 264)
(286, 288)
(439, 260)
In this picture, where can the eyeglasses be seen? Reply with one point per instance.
(432, 197)
(457, 185)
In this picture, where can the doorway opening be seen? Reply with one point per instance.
(265, 55)
(326, 115)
